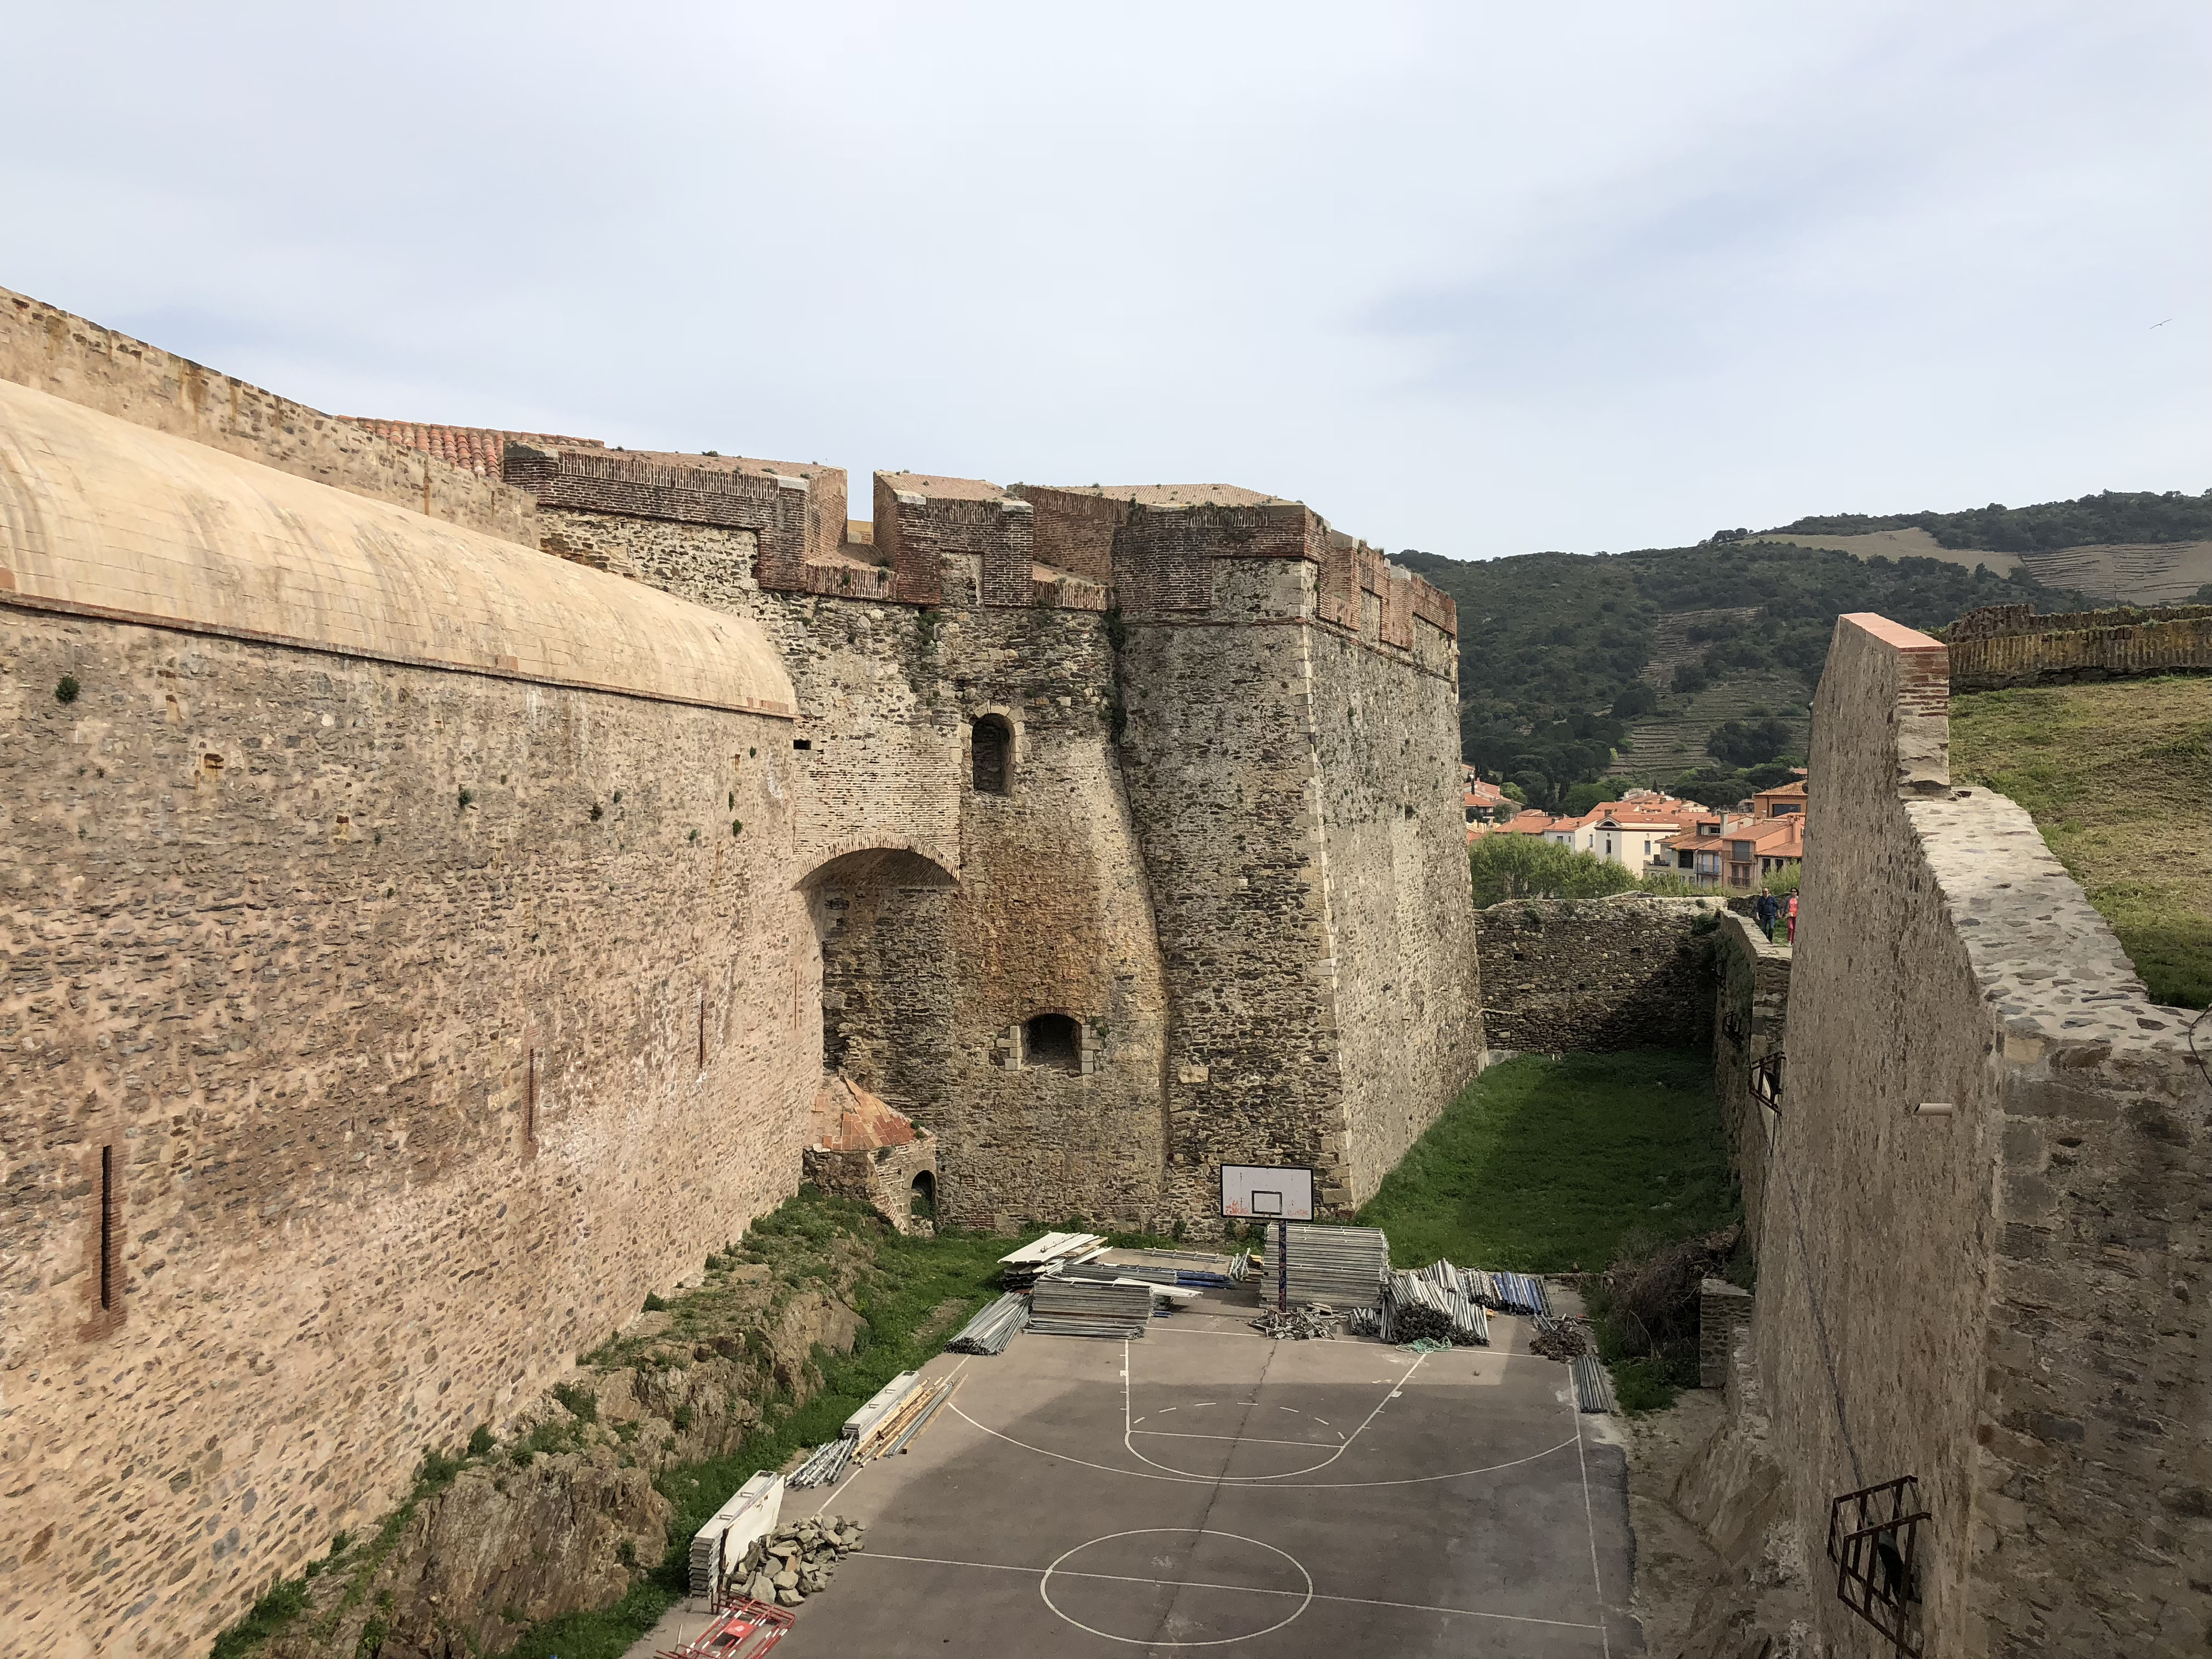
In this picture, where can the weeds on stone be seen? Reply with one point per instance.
(580, 1403)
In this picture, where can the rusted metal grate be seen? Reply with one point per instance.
(1873, 1539)
(1766, 1080)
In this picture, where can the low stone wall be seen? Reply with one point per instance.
(1722, 1311)
(2009, 645)
(1595, 976)
(880, 1176)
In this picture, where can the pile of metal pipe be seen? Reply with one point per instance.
(989, 1331)
(1593, 1384)
(826, 1466)
(1432, 1303)
(1194, 1269)
(1516, 1293)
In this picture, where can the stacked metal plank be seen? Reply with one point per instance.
(1064, 1306)
(880, 1405)
(989, 1331)
(1593, 1384)
(725, 1537)
(1194, 1269)
(1517, 1293)
(1019, 1269)
(1432, 1303)
(1341, 1267)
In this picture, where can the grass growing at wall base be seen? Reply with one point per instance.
(1558, 1166)
(908, 1321)
(1541, 1165)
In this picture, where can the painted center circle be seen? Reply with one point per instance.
(1176, 1587)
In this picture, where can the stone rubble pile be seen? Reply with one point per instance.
(797, 1560)
(1298, 1325)
(1561, 1338)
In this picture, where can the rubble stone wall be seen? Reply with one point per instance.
(2004, 1298)
(881, 1177)
(1287, 874)
(402, 1099)
(1593, 975)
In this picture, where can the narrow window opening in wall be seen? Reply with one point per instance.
(108, 1228)
(923, 1205)
(530, 1100)
(702, 1030)
(802, 743)
(992, 742)
(1054, 1039)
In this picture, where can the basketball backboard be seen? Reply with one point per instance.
(1265, 1192)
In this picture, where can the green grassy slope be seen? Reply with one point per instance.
(1542, 1165)
(2118, 777)
(1559, 651)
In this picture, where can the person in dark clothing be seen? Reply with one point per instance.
(1764, 912)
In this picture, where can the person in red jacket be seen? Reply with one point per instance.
(1793, 918)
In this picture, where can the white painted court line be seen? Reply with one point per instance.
(1265, 1483)
(1247, 1589)
(1129, 1444)
(1241, 1439)
(854, 1474)
(1590, 1519)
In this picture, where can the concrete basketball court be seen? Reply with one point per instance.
(1206, 1487)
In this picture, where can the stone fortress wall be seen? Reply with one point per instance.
(1190, 862)
(1982, 1246)
(2009, 645)
(419, 948)
(384, 1016)
(1597, 975)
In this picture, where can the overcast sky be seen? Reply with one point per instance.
(1469, 277)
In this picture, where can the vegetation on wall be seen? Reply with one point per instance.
(1504, 867)
(2118, 778)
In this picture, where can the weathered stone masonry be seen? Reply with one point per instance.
(418, 948)
(1593, 975)
(2004, 1298)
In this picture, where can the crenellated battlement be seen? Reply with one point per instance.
(1150, 549)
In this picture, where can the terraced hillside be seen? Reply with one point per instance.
(1574, 667)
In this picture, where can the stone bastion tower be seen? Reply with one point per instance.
(440, 867)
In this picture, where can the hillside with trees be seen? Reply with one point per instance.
(1693, 667)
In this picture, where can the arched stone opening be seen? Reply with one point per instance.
(991, 751)
(922, 1205)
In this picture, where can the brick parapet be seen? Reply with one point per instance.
(2009, 645)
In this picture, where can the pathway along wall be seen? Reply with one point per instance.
(1595, 976)
(2006, 1299)
(375, 1035)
